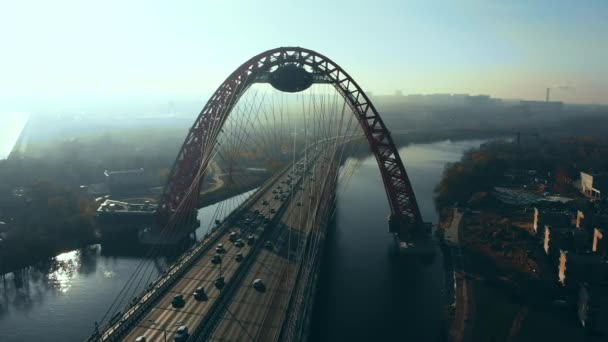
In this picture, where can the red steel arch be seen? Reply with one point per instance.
(405, 219)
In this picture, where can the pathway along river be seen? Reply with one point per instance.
(363, 295)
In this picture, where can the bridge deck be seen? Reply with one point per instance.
(202, 273)
(259, 316)
(251, 306)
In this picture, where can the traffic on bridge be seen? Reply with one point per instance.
(253, 274)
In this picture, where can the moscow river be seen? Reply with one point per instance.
(363, 293)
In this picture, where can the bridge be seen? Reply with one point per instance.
(252, 276)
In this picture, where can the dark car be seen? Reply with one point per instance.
(220, 282)
(178, 301)
(220, 249)
(268, 245)
(233, 236)
(250, 240)
(238, 257)
(259, 285)
(216, 260)
(239, 243)
(199, 293)
(181, 334)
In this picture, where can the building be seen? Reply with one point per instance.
(541, 106)
(594, 186)
(593, 308)
(600, 243)
(478, 100)
(580, 219)
(556, 239)
(121, 221)
(575, 268)
(543, 218)
(127, 181)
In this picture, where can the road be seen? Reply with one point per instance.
(258, 316)
(163, 318)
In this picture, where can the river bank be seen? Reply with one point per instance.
(361, 292)
(364, 293)
(505, 284)
(500, 294)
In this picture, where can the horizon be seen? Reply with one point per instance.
(67, 49)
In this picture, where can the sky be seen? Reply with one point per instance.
(72, 49)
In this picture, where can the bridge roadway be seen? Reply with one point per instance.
(271, 266)
(252, 315)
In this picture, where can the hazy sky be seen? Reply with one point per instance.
(512, 49)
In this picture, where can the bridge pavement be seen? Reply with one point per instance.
(257, 316)
(163, 318)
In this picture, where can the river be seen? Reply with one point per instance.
(363, 294)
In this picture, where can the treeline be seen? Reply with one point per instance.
(43, 220)
(560, 159)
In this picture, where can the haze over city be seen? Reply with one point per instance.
(303, 171)
(57, 51)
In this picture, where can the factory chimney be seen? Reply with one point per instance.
(548, 93)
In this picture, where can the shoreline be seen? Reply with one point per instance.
(219, 193)
(458, 289)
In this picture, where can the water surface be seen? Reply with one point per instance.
(364, 296)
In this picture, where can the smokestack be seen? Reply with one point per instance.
(548, 93)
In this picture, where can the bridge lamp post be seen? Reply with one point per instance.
(163, 328)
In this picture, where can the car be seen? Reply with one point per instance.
(259, 285)
(233, 236)
(268, 245)
(199, 294)
(140, 339)
(274, 191)
(250, 240)
(299, 204)
(220, 249)
(257, 211)
(276, 197)
(272, 211)
(239, 243)
(264, 202)
(218, 222)
(216, 260)
(178, 301)
(238, 257)
(219, 283)
(181, 334)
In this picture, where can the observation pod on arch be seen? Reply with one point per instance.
(295, 69)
